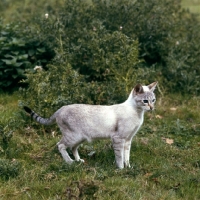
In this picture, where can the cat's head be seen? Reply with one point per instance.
(144, 96)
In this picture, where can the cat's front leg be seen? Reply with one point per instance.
(118, 146)
(127, 148)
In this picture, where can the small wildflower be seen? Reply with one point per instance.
(37, 68)
(53, 134)
(46, 15)
(107, 71)
(120, 27)
(177, 43)
(173, 109)
(159, 117)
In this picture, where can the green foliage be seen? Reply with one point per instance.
(93, 66)
(18, 52)
(167, 35)
(61, 85)
(108, 73)
(91, 32)
(101, 68)
(52, 88)
(105, 55)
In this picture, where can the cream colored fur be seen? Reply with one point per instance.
(120, 122)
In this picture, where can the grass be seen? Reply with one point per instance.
(192, 5)
(164, 157)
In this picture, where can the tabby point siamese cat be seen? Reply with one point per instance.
(119, 122)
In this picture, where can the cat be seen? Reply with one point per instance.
(119, 122)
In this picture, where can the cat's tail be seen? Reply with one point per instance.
(37, 118)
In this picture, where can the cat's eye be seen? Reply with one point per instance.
(153, 100)
(145, 101)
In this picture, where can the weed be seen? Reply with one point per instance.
(9, 169)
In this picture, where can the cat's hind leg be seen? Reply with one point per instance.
(75, 153)
(65, 155)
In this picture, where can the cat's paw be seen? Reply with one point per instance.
(127, 165)
(70, 162)
(80, 160)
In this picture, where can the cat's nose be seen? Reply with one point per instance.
(151, 107)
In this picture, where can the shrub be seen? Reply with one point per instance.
(103, 56)
(18, 52)
(49, 90)
(164, 30)
(89, 45)
(182, 64)
(92, 64)
(61, 84)
(100, 68)
(168, 36)
(112, 60)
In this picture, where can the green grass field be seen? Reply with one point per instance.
(164, 157)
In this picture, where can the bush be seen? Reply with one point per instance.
(62, 85)
(92, 64)
(182, 64)
(167, 37)
(101, 68)
(103, 56)
(18, 52)
(49, 90)
(165, 32)
(89, 44)
(108, 73)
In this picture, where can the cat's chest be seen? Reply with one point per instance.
(130, 127)
(130, 119)
(131, 115)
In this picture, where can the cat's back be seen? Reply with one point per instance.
(86, 111)
(87, 117)
(84, 108)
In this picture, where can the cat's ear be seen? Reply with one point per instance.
(152, 86)
(138, 89)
